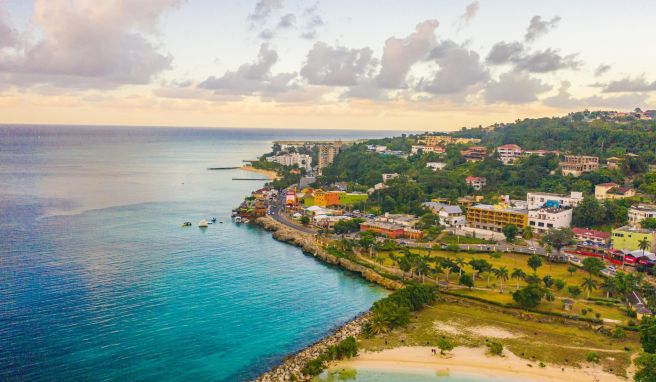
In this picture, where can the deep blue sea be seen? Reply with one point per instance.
(98, 280)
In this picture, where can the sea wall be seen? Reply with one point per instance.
(310, 246)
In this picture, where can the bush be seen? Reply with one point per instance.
(495, 348)
(347, 348)
(313, 367)
(592, 357)
(619, 333)
(584, 311)
(648, 334)
(444, 345)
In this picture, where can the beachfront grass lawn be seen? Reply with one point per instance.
(453, 239)
(535, 337)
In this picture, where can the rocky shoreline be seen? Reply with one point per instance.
(290, 369)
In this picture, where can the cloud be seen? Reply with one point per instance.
(538, 27)
(503, 52)
(287, 21)
(84, 44)
(336, 66)
(629, 85)
(470, 12)
(314, 22)
(547, 60)
(8, 35)
(264, 8)
(459, 68)
(252, 78)
(601, 70)
(515, 87)
(399, 54)
(565, 100)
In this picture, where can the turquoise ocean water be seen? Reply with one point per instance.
(99, 282)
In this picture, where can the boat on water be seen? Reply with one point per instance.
(203, 224)
(238, 219)
(186, 224)
(213, 220)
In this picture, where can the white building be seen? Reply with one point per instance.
(436, 165)
(544, 219)
(427, 149)
(450, 216)
(387, 177)
(377, 148)
(641, 212)
(302, 160)
(509, 153)
(541, 199)
(476, 182)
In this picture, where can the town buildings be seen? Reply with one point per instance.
(600, 238)
(404, 220)
(436, 165)
(444, 140)
(509, 153)
(576, 165)
(476, 182)
(640, 212)
(387, 177)
(545, 199)
(333, 198)
(544, 219)
(327, 153)
(629, 237)
(377, 148)
(474, 153)
(450, 216)
(427, 149)
(494, 218)
(391, 230)
(612, 191)
(303, 161)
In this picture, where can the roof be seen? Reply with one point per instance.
(500, 208)
(643, 207)
(443, 207)
(609, 184)
(628, 228)
(474, 178)
(510, 147)
(591, 232)
(619, 190)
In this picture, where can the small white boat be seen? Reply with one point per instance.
(238, 219)
(203, 224)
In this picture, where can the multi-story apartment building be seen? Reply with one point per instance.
(494, 218)
(427, 149)
(545, 199)
(509, 153)
(576, 165)
(327, 153)
(303, 161)
(640, 212)
(544, 219)
(474, 153)
(443, 140)
(476, 182)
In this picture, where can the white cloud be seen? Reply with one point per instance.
(336, 66)
(8, 35)
(400, 54)
(601, 70)
(264, 8)
(630, 85)
(548, 60)
(538, 27)
(503, 52)
(470, 12)
(515, 87)
(565, 100)
(459, 69)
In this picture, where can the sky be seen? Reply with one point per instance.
(426, 65)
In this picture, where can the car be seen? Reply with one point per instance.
(531, 248)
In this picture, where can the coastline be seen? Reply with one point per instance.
(271, 175)
(463, 360)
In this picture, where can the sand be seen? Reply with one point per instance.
(473, 361)
(479, 331)
(268, 173)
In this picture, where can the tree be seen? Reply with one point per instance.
(647, 368)
(436, 271)
(589, 284)
(510, 231)
(528, 233)
(518, 274)
(573, 290)
(608, 286)
(305, 220)
(571, 269)
(643, 244)
(648, 334)
(560, 284)
(648, 223)
(589, 213)
(593, 265)
(534, 262)
(480, 266)
(445, 345)
(466, 280)
(502, 275)
(558, 238)
(548, 281)
(460, 263)
(528, 297)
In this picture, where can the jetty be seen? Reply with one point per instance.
(222, 168)
(258, 179)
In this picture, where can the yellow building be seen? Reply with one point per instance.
(629, 238)
(443, 140)
(494, 218)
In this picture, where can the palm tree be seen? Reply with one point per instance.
(422, 268)
(608, 286)
(518, 274)
(377, 325)
(460, 263)
(643, 244)
(436, 271)
(501, 275)
(490, 270)
(589, 284)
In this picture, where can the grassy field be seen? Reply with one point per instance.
(534, 337)
(452, 239)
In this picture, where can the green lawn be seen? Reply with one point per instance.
(453, 239)
(532, 336)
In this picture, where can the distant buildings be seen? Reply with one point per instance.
(387, 177)
(590, 235)
(509, 153)
(614, 163)
(436, 165)
(612, 191)
(629, 237)
(474, 153)
(327, 153)
(391, 230)
(377, 148)
(444, 140)
(544, 219)
(540, 153)
(545, 199)
(303, 161)
(427, 149)
(576, 165)
(476, 182)
(450, 216)
(494, 218)
(640, 212)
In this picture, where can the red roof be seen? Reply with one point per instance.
(510, 147)
(609, 184)
(474, 179)
(591, 233)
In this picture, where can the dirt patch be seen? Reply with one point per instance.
(479, 331)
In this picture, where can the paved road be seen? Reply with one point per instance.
(277, 215)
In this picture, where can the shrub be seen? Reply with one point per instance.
(584, 311)
(313, 367)
(444, 345)
(592, 357)
(495, 348)
(648, 334)
(619, 333)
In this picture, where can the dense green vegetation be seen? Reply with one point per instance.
(394, 310)
(347, 348)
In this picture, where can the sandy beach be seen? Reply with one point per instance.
(268, 173)
(472, 361)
